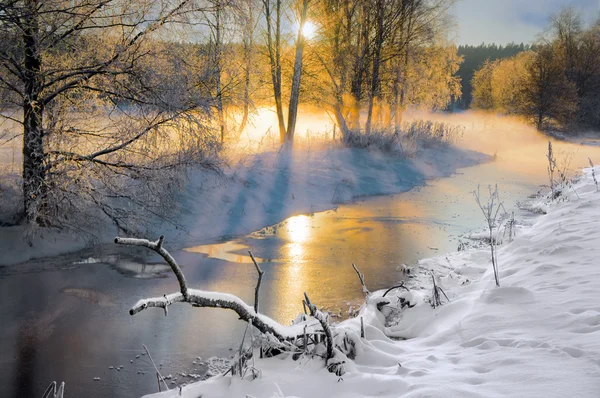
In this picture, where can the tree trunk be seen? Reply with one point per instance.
(341, 121)
(374, 90)
(34, 174)
(396, 109)
(217, 62)
(248, 46)
(293, 109)
(274, 48)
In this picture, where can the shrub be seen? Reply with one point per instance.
(407, 139)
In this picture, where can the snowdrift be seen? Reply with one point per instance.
(537, 335)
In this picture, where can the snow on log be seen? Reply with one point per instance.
(158, 247)
(199, 298)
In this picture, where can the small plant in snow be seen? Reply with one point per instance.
(551, 168)
(54, 392)
(509, 227)
(494, 218)
(593, 173)
(436, 298)
(564, 178)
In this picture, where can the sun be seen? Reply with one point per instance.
(310, 30)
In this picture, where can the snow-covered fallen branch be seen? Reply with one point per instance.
(199, 298)
(295, 337)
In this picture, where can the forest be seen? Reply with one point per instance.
(105, 94)
(553, 84)
(473, 59)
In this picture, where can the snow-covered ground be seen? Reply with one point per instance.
(264, 188)
(538, 335)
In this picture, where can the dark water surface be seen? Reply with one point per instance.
(66, 318)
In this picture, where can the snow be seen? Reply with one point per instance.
(537, 335)
(266, 188)
(288, 332)
(261, 189)
(18, 245)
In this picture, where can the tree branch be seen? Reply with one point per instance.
(199, 298)
(318, 315)
(362, 280)
(157, 247)
(260, 275)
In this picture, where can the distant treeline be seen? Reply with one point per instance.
(473, 58)
(555, 84)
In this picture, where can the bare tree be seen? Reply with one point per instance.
(367, 48)
(273, 18)
(295, 93)
(246, 18)
(273, 25)
(89, 105)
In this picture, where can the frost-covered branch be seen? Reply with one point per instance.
(53, 392)
(319, 316)
(361, 276)
(158, 248)
(205, 299)
(199, 298)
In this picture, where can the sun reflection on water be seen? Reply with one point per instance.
(297, 232)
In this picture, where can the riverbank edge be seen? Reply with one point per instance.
(535, 335)
(263, 189)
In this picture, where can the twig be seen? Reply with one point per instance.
(437, 300)
(318, 315)
(362, 280)
(362, 328)
(53, 392)
(158, 248)
(240, 358)
(396, 287)
(155, 368)
(593, 173)
(260, 275)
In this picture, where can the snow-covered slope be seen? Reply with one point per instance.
(267, 188)
(263, 189)
(538, 335)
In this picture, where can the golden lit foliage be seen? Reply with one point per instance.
(431, 78)
(556, 84)
(497, 85)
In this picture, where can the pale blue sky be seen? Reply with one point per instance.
(503, 21)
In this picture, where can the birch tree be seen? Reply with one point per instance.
(273, 12)
(97, 129)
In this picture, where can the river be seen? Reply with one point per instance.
(66, 318)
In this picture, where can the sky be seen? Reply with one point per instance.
(505, 21)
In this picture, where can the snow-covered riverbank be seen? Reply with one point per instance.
(538, 335)
(263, 189)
